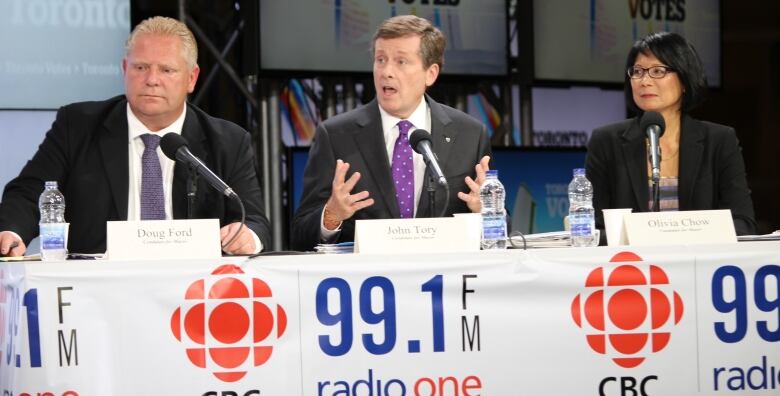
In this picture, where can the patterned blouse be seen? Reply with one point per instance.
(669, 197)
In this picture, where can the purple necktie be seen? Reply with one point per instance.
(152, 196)
(403, 171)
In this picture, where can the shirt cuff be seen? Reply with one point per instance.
(258, 244)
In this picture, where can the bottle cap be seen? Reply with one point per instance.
(579, 171)
(51, 184)
(493, 173)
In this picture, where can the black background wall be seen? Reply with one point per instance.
(749, 99)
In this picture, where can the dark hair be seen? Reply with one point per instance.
(677, 53)
(432, 41)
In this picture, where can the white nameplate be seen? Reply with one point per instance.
(425, 235)
(163, 239)
(680, 228)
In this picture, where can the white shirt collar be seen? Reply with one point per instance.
(418, 118)
(136, 128)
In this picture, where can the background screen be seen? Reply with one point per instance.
(566, 117)
(336, 35)
(58, 52)
(588, 40)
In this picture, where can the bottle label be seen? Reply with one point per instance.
(581, 225)
(54, 236)
(493, 227)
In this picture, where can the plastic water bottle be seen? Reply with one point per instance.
(491, 195)
(53, 229)
(581, 213)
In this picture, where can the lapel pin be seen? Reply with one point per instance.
(447, 139)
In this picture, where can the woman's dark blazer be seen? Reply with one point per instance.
(711, 174)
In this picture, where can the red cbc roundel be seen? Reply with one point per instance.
(626, 309)
(228, 324)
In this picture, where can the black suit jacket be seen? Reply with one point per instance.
(86, 152)
(711, 174)
(356, 137)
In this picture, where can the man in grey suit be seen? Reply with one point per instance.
(358, 160)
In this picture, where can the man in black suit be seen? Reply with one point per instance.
(95, 151)
(353, 151)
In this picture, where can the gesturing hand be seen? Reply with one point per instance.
(244, 242)
(342, 204)
(472, 198)
(11, 245)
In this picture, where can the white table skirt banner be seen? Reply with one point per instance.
(592, 321)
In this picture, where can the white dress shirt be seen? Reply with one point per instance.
(135, 147)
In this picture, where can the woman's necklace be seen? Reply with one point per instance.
(670, 157)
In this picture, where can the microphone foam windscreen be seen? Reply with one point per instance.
(418, 136)
(170, 144)
(652, 118)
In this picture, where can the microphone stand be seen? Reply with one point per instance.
(431, 194)
(192, 190)
(656, 196)
(656, 181)
(433, 181)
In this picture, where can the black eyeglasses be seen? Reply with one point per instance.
(637, 72)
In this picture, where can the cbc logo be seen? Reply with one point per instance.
(632, 306)
(230, 323)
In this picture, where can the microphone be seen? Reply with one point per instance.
(174, 146)
(652, 123)
(420, 140)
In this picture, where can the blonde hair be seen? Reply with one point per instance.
(167, 27)
(432, 41)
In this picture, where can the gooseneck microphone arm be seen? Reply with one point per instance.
(174, 146)
(653, 125)
(184, 156)
(192, 191)
(655, 152)
(420, 140)
(655, 161)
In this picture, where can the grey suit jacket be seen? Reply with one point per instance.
(356, 137)
(711, 174)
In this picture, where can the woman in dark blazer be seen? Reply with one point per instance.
(701, 162)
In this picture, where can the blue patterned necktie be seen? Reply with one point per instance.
(152, 195)
(403, 171)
